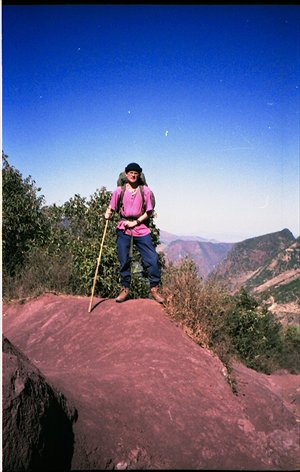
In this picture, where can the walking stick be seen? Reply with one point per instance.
(98, 262)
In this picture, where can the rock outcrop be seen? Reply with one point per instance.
(147, 396)
(37, 420)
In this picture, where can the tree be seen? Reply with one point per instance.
(23, 221)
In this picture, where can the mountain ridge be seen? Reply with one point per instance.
(207, 254)
(167, 237)
(268, 268)
(248, 256)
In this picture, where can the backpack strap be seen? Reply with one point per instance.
(147, 222)
(120, 199)
(143, 198)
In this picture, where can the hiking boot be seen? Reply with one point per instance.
(123, 295)
(155, 295)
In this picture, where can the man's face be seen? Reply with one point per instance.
(132, 176)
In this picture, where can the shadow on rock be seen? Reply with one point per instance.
(37, 419)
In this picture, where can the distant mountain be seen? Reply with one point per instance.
(248, 256)
(285, 263)
(206, 255)
(167, 238)
(278, 284)
(268, 267)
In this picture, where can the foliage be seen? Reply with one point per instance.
(290, 352)
(229, 325)
(198, 306)
(255, 334)
(41, 273)
(23, 222)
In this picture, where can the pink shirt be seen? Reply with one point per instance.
(132, 207)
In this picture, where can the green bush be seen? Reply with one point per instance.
(229, 325)
(289, 356)
(255, 338)
(23, 222)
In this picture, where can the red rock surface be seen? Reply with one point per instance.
(147, 396)
(37, 432)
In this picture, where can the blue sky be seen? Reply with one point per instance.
(204, 97)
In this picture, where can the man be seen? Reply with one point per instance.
(132, 227)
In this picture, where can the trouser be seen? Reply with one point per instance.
(148, 254)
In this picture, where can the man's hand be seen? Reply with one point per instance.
(108, 214)
(130, 224)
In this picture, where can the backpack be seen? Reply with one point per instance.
(121, 182)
